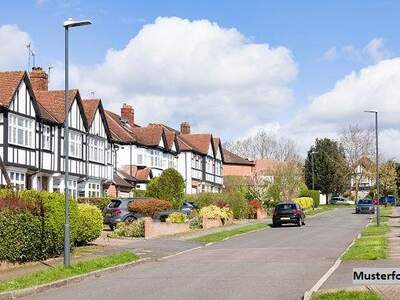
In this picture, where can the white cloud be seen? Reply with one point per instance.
(373, 87)
(176, 69)
(373, 52)
(13, 52)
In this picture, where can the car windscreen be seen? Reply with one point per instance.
(286, 206)
(114, 204)
(365, 202)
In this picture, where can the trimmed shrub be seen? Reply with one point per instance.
(203, 199)
(32, 225)
(168, 186)
(100, 202)
(237, 202)
(304, 202)
(214, 212)
(130, 229)
(90, 223)
(176, 217)
(139, 193)
(314, 194)
(148, 207)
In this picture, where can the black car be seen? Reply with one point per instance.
(288, 213)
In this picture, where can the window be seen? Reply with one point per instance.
(94, 190)
(20, 130)
(96, 150)
(75, 144)
(18, 180)
(218, 168)
(46, 137)
(209, 165)
(140, 156)
(197, 162)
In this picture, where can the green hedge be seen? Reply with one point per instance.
(90, 223)
(314, 194)
(34, 232)
(100, 202)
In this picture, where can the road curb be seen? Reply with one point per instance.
(63, 282)
(307, 295)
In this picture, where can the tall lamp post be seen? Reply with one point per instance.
(376, 161)
(67, 24)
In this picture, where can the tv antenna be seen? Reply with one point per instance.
(30, 54)
(48, 73)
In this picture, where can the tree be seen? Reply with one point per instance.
(330, 167)
(288, 180)
(387, 178)
(359, 148)
(263, 145)
(168, 186)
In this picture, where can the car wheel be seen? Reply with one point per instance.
(112, 227)
(303, 223)
(300, 222)
(129, 219)
(276, 224)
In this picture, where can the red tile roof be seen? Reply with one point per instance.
(53, 102)
(231, 158)
(148, 136)
(117, 129)
(9, 82)
(90, 106)
(139, 173)
(198, 142)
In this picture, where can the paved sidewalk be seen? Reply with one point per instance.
(342, 277)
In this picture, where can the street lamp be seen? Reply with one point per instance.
(376, 161)
(67, 24)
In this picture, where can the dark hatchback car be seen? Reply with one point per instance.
(288, 213)
(365, 206)
(117, 211)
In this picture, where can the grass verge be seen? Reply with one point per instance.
(355, 295)
(323, 208)
(219, 236)
(61, 272)
(372, 243)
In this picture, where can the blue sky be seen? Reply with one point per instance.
(306, 28)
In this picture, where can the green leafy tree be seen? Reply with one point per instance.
(387, 178)
(168, 186)
(330, 167)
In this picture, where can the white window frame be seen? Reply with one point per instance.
(140, 157)
(46, 137)
(94, 189)
(20, 125)
(18, 180)
(96, 149)
(75, 144)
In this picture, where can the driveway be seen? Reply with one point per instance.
(276, 263)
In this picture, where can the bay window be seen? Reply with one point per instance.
(21, 131)
(17, 180)
(94, 190)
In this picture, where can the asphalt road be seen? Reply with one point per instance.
(276, 263)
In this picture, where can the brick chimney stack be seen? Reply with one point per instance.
(185, 128)
(128, 114)
(39, 79)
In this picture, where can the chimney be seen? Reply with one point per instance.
(39, 79)
(128, 114)
(185, 128)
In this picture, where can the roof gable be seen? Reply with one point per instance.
(117, 131)
(197, 142)
(9, 83)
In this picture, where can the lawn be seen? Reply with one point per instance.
(219, 236)
(348, 295)
(61, 272)
(372, 244)
(323, 208)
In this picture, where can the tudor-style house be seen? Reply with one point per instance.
(200, 161)
(149, 146)
(32, 136)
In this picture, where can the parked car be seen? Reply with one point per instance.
(117, 211)
(388, 200)
(188, 207)
(365, 206)
(340, 200)
(288, 213)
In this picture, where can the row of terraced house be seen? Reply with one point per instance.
(109, 153)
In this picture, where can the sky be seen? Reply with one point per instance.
(298, 69)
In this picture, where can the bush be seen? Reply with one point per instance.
(130, 229)
(32, 225)
(238, 204)
(148, 207)
(139, 193)
(314, 194)
(176, 217)
(214, 212)
(253, 206)
(203, 199)
(195, 223)
(304, 202)
(90, 223)
(100, 202)
(168, 186)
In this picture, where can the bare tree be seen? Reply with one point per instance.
(358, 145)
(263, 145)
